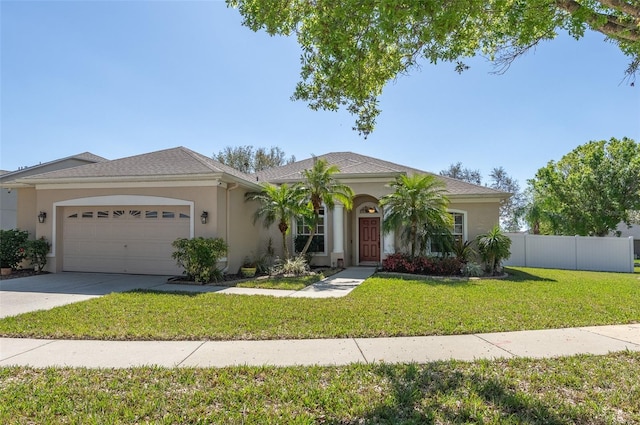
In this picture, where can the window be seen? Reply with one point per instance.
(436, 244)
(151, 214)
(87, 214)
(168, 214)
(458, 226)
(118, 213)
(103, 214)
(134, 213)
(74, 215)
(303, 232)
(184, 215)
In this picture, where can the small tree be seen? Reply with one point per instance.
(278, 204)
(493, 247)
(418, 206)
(199, 257)
(321, 187)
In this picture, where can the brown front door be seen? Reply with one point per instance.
(370, 239)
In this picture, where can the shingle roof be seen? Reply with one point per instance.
(85, 156)
(178, 161)
(351, 164)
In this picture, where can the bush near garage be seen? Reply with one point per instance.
(199, 257)
(13, 247)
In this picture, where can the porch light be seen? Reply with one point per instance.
(203, 217)
(42, 217)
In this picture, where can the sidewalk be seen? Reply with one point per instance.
(122, 354)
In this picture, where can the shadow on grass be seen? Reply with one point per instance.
(521, 276)
(161, 292)
(438, 392)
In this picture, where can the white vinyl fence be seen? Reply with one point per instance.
(571, 252)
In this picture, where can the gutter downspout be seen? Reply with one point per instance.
(228, 206)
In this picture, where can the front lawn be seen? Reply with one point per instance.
(569, 390)
(284, 283)
(528, 299)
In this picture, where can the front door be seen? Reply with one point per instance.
(369, 239)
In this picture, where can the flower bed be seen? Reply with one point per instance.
(429, 266)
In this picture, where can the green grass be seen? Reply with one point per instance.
(529, 299)
(285, 283)
(571, 390)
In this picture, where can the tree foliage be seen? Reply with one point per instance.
(418, 206)
(352, 48)
(589, 191)
(457, 171)
(493, 247)
(250, 160)
(511, 209)
(279, 204)
(321, 187)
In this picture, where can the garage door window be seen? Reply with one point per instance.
(151, 214)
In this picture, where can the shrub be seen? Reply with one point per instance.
(463, 250)
(295, 266)
(37, 251)
(472, 269)
(199, 257)
(13, 247)
(434, 266)
(493, 247)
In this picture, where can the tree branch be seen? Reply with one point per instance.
(612, 27)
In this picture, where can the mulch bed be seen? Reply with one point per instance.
(22, 273)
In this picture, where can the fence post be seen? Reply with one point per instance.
(575, 247)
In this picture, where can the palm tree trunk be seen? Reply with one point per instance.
(284, 245)
(312, 233)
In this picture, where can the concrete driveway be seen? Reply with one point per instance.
(51, 290)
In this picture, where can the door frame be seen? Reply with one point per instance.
(362, 212)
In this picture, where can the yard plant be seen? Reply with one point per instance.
(199, 257)
(13, 247)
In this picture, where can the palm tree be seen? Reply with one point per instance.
(278, 203)
(321, 187)
(417, 204)
(494, 247)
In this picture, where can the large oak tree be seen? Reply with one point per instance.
(352, 48)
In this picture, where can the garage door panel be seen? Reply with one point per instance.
(123, 239)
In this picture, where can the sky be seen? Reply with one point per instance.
(121, 78)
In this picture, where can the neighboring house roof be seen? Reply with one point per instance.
(169, 163)
(87, 157)
(354, 165)
(626, 231)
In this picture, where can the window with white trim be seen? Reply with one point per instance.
(318, 244)
(457, 231)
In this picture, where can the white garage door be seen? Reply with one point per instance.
(126, 239)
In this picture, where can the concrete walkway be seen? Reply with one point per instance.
(121, 354)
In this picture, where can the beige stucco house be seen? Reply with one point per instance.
(121, 216)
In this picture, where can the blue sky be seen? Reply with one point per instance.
(122, 78)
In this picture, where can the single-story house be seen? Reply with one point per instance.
(122, 215)
(9, 198)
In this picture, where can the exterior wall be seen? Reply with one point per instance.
(245, 238)
(481, 216)
(8, 209)
(28, 211)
